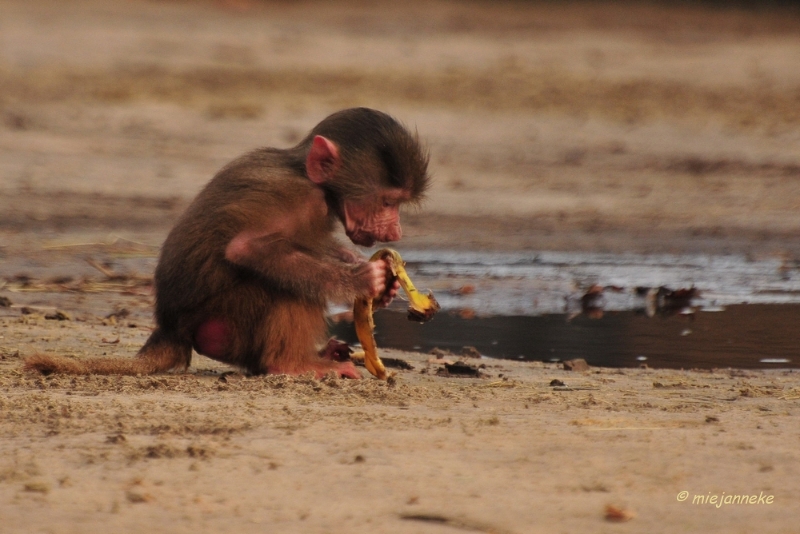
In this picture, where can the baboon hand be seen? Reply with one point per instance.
(371, 278)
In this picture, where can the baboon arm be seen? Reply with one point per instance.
(294, 268)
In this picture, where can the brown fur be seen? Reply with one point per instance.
(255, 248)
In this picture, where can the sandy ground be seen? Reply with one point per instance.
(591, 127)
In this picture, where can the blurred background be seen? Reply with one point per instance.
(586, 155)
(594, 126)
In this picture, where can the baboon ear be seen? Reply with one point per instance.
(322, 161)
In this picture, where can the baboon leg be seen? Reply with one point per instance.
(292, 332)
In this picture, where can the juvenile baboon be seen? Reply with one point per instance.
(245, 275)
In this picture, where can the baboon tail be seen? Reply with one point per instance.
(159, 354)
(48, 364)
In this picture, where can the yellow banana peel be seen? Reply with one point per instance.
(421, 308)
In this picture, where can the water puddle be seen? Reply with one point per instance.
(677, 311)
(611, 310)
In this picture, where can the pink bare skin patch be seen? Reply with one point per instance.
(376, 218)
(212, 338)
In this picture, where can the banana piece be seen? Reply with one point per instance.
(421, 308)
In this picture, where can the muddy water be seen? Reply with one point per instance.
(740, 313)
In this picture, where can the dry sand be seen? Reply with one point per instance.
(596, 127)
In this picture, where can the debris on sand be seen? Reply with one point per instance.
(58, 316)
(578, 364)
(460, 369)
(37, 487)
(617, 514)
(397, 363)
(470, 352)
(133, 284)
(394, 363)
(439, 353)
